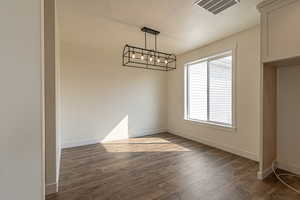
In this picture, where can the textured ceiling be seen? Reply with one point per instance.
(183, 26)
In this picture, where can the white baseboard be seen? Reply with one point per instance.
(262, 175)
(79, 143)
(223, 147)
(51, 188)
(58, 165)
(147, 132)
(280, 165)
(288, 167)
(96, 141)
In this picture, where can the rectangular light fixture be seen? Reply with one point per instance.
(145, 58)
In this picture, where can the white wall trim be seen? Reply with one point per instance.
(58, 165)
(214, 55)
(288, 167)
(281, 165)
(51, 188)
(80, 143)
(262, 175)
(97, 141)
(245, 154)
(148, 132)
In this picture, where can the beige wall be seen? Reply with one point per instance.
(21, 146)
(245, 139)
(102, 100)
(288, 150)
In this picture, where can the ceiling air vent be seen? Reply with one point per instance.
(216, 6)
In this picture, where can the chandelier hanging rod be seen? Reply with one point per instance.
(152, 32)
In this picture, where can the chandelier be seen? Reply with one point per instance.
(148, 58)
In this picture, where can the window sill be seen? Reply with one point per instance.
(212, 125)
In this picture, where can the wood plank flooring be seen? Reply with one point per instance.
(162, 167)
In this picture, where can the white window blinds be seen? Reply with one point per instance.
(197, 94)
(209, 90)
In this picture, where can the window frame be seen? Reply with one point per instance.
(224, 53)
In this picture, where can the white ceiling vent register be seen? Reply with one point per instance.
(216, 6)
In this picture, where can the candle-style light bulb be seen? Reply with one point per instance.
(142, 57)
(166, 61)
(133, 55)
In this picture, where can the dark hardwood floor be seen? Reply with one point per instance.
(162, 166)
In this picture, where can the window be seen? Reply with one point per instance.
(209, 90)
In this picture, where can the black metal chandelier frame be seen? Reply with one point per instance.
(148, 58)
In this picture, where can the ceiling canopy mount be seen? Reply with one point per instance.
(149, 30)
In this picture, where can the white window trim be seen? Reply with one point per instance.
(212, 124)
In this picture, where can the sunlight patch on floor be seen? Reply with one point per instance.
(143, 145)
